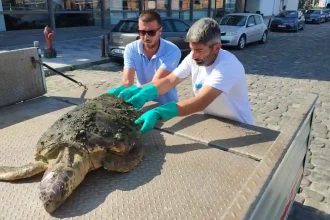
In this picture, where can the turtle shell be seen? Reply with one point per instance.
(102, 123)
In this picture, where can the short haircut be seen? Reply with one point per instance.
(205, 31)
(149, 16)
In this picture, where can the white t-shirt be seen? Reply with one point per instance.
(226, 74)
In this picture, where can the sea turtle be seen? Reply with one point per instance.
(99, 133)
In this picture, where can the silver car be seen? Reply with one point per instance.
(239, 29)
(126, 31)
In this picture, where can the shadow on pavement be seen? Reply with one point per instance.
(303, 212)
(30, 109)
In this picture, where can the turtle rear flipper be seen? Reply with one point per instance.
(22, 172)
(125, 163)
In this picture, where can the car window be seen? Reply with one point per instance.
(313, 12)
(288, 14)
(251, 21)
(233, 20)
(126, 27)
(257, 19)
(180, 26)
(167, 27)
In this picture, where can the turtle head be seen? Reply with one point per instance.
(55, 187)
(61, 179)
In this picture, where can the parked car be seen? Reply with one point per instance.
(239, 29)
(126, 31)
(315, 16)
(293, 20)
(327, 14)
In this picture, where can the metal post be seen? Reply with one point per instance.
(51, 14)
(169, 12)
(103, 22)
(36, 44)
(191, 10)
(102, 46)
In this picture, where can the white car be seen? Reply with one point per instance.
(239, 29)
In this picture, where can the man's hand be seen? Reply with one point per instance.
(129, 92)
(146, 94)
(115, 91)
(150, 118)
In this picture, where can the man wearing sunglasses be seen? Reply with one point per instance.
(218, 82)
(150, 58)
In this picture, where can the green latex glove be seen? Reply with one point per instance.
(150, 118)
(147, 93)
(129, 92)
(116, 91)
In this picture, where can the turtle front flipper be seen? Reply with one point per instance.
(26, 171)
(63, 175)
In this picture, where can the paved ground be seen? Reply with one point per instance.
(288, 63)
(71, 54)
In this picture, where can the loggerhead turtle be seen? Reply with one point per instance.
(99, 133)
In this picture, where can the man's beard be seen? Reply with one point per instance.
(150, 45)
(209, 60)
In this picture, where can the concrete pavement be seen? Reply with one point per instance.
(72, 54)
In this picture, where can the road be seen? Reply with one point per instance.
(288, 64)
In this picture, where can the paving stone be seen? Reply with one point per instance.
(323, 162)
(309, 166)
(320, 178)
(320, 187)
(305, 182)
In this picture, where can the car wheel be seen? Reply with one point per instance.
(264, 38)
(241, 42)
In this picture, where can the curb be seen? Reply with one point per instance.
(66, 68)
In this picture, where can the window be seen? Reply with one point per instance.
(180, 26)
(159, 4)
(32, 5)
(73, 5)
(126, 27)
(251, 21)
(120, 5)
(201, 4)
(233, 20)
(257, 19)
(180, 4)
(167, 27)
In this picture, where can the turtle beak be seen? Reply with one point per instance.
(53, 190)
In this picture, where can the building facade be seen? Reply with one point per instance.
(36, 14)
(270, 7)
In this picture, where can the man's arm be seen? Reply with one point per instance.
(205, 97)
(128, 77)
(129, 67)
(166, 84)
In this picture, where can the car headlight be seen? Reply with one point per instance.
(231, 33)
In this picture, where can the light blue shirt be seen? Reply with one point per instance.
(168, 57)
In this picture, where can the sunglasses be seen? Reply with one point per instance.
(149, 32)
